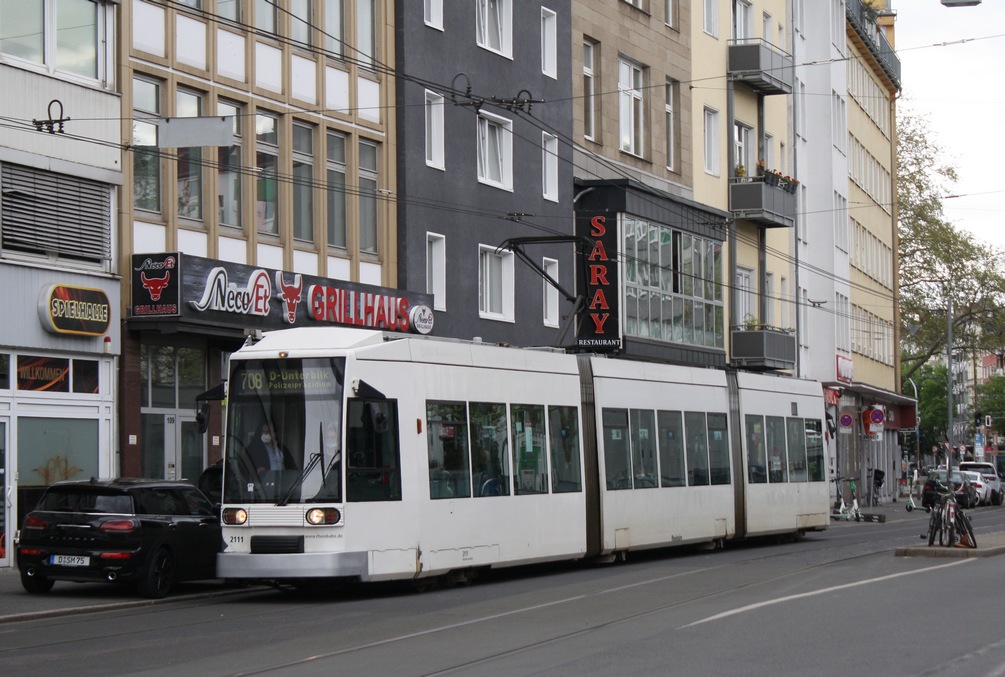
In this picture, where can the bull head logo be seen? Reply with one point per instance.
(290, 294)
(155, 285)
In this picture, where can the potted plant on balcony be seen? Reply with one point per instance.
(772, 177)
(741, 171)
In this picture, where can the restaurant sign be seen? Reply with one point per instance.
(600, 320)
(207, 290)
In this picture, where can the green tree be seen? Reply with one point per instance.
(991, 396)
(938, 262)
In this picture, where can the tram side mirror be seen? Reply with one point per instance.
(202, 417)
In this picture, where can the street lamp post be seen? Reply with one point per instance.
(949, 394)
(917, 436)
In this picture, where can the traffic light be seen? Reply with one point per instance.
(978, 419)
(987, 421)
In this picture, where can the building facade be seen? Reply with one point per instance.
(60, 174)
(484, 118)
(260, 177)
(846, 138)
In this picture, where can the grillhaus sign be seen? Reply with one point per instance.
(200, 290)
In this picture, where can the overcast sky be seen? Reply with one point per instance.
(960, 87)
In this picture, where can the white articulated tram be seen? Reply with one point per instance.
(405, 457)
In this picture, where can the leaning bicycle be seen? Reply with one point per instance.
(949, 523)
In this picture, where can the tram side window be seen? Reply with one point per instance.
(563, 424)
(757, 460)
(489, 449)
(617, 462)
(447, 436)
(815, 450)
(697, 448)
(643, 436)
(718, 449)
(795, 429)
(373, 456)
(671, 432)
(777, 467)
(530, 458)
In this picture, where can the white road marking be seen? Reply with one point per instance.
(823, 591)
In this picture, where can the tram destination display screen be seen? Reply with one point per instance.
(285, 377)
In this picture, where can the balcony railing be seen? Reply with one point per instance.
(770, 204)
(863, 19)
(760, 66)
(763, 347)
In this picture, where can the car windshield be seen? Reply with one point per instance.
(74, 499)
(940, 475)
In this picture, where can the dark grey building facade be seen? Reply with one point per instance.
(484, 106)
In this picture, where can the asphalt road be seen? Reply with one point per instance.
(836, 602)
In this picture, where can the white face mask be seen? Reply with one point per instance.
(266, 438)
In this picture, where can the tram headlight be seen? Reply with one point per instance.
(319, 516)
(235, 516)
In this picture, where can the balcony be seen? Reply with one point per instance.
(871, 39)
(763, 347)
(760, 66)
(769, 204)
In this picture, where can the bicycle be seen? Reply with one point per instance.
(950, 523)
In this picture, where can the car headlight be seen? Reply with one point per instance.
(319, 516)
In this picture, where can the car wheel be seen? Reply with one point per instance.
(36, 584)
(159, 577)
(996, 498)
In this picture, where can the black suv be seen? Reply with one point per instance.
(153, 533)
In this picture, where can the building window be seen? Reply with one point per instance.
(265, 15)
(741, 147)
(434, 130)
(66, 37)
(368, 197)
(589, 90)
(366, 32)
(549, 42)
(745, 311)
(711, 132)
(669, 11)
(336, 190)
(432, 13)
(495, 151)
(229, 9)
(303, 182)
(39, 218)
(267, 167)
(334, 39)
(742, 27)
(189, 105)
(436, 269)
(768, 27)
(301, 20)
(146, 156)
(494, 29)
(710, 17)
(671, 123)
(632, 104)
(229, 169)
(550, 301)
(549, 166)
(673, 285)
(495, 284)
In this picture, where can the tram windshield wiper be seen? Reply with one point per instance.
(315, 459)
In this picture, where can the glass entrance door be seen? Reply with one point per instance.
(173, 447)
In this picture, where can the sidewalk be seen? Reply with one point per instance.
(988, 544)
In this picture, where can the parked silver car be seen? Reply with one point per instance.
(990, 477)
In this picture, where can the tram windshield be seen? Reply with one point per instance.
(284, 431)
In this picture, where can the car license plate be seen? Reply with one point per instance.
(69, 560)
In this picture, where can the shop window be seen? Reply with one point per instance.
(55, 449)
(85, 377)
(4, 371)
